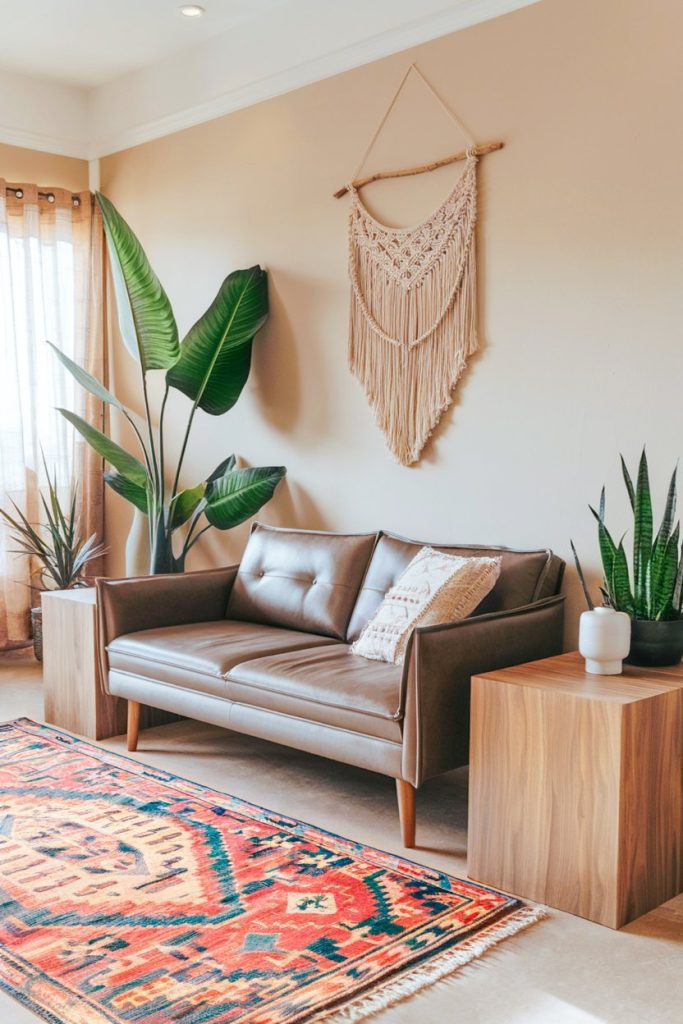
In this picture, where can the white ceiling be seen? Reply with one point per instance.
(89, 42)
(88, 77)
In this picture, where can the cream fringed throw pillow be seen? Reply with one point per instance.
(434, 587)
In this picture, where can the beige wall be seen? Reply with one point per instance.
(581, 254)
(32, 167)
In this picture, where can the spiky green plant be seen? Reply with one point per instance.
(582, 578)
(57, 544)
(653, 589)
(210, 367)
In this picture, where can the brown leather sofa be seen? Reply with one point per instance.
(263, 648)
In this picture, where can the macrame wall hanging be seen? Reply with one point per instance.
(413, 298)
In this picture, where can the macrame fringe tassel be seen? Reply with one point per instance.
(409, 387)
(412, 981)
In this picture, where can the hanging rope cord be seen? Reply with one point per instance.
(467, 178)
(444, 106)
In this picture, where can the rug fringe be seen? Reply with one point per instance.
(395, 990)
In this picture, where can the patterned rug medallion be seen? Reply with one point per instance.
(130, 895)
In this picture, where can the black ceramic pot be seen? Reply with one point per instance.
(655, 643)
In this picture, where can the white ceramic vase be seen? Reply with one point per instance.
(137, 546)
(604, 640)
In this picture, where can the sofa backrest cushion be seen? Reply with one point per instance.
(525, 576)
(300, 579)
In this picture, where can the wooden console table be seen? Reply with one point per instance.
(74, 698)
(576, 787)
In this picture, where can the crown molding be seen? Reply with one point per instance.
(37, 113)
(42, 143)
(96, 144)
(421, 30)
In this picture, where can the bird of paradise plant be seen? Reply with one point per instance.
(210, 366)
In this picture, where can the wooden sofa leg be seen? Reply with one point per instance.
(406, 812)
(133, 724)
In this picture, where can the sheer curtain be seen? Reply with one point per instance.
(51, 274)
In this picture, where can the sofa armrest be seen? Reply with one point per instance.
(151, 602)
(440, 662)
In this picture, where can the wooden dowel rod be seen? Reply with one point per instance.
(488, 147)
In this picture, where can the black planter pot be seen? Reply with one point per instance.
(655, 643)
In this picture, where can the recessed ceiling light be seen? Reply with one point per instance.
(192, 10)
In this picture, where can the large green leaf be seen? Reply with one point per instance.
(191, 502)
(238, 495)
(111, 452)
(642, 537)
(146, 319)
(92, 385)
(222, 468)
(670, 507)
(670, 511)
(87, 381)
(629, 483)
(608, 549)
(620, 586)
(677, 598)
(128, 489)
(663, 587)
(184, 505)
(215, 357)
(582, 578)
(664, 532)
(660, 564)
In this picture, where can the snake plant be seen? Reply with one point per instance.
(653, 589)
(210, 367)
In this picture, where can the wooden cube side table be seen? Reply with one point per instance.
(73, 695)
(576, 787)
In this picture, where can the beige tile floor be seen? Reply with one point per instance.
(562, 971)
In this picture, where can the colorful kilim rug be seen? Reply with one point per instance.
(130, 895)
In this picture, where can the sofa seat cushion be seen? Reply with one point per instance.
(327, 685)
(198, 656)
(300, 579)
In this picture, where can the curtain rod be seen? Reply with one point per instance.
(50, 196)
